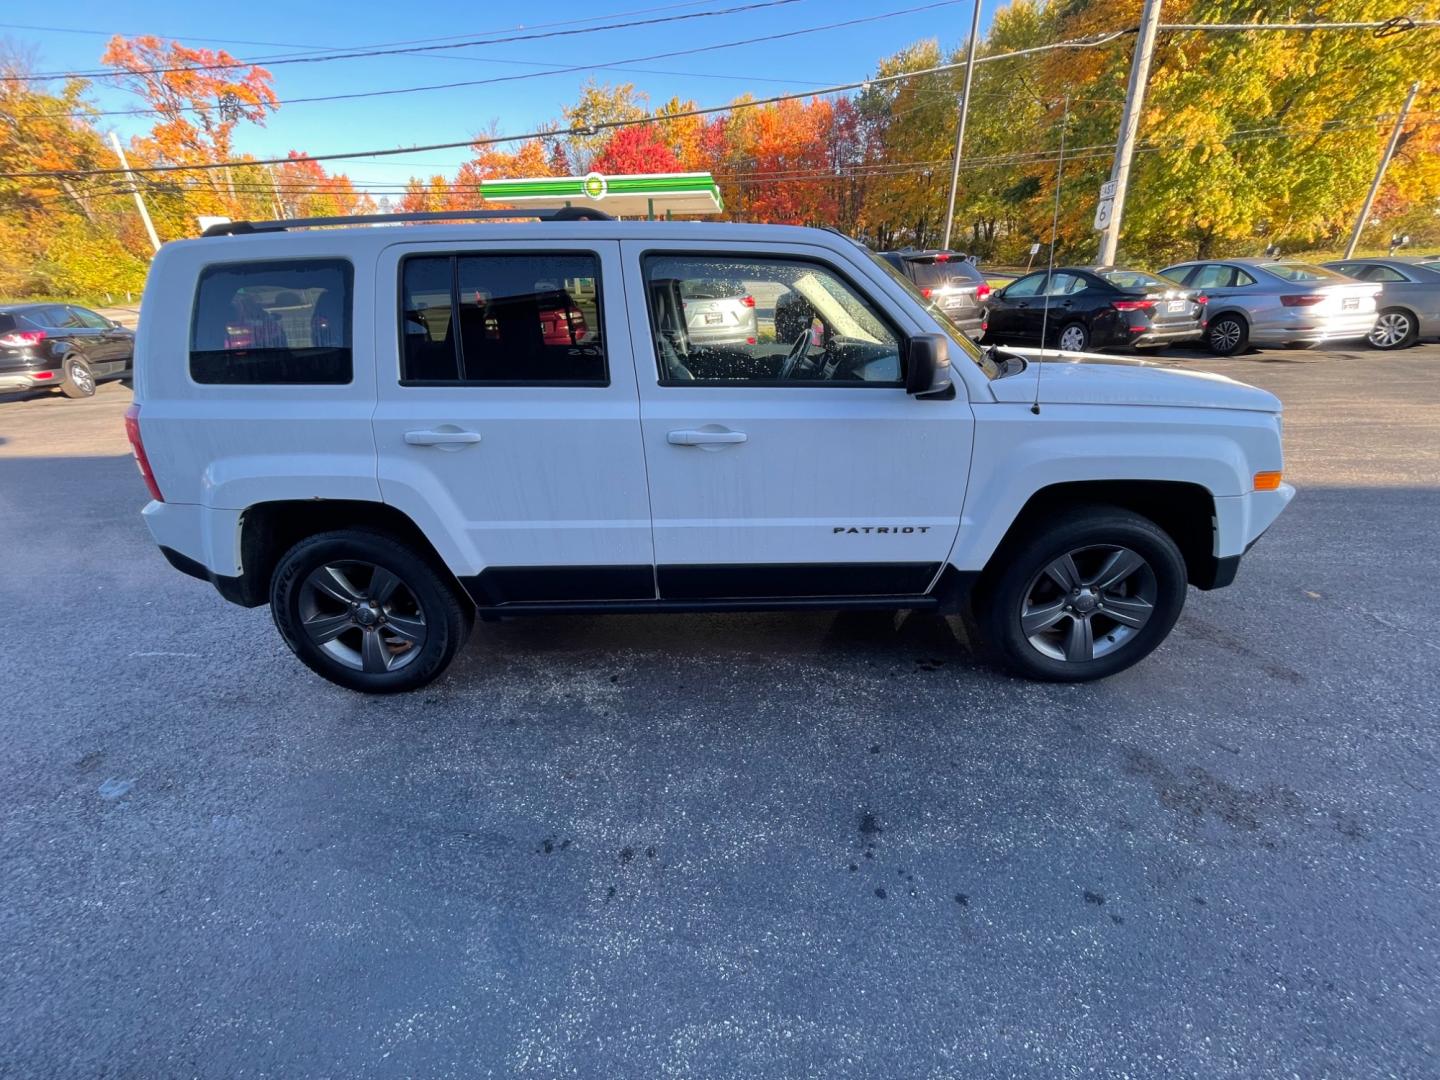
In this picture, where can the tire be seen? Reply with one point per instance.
(1227, 335)
(1395, 328)
(79, 379)
(1079, 336)
(1031, 625)
(344, 632)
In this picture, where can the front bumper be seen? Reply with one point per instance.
(1240, 521)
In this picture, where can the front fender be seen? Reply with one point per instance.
(1018, 453)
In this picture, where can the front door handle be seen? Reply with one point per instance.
(442, 438)
(705, 438)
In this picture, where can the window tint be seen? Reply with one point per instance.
(284, 322)
(89, 318)
(54, 315)
(803, 323)
(1375, 272)
(1136, 279)
(503, 319)
(7, 322)
(1301, 272)
(1241, 277)
(1066, 285)
(1212, 276)
(1026, 286)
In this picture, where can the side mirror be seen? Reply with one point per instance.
(927, 367)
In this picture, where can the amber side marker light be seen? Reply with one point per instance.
(1267, 481)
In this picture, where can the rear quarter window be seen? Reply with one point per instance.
(282, 322)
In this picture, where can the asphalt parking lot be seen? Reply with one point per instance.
(797, 845)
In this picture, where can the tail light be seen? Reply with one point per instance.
(925, 292)
(1132, 305)
(982, 291)
(1202, 300)
(18, 339)
(748, 301)
(1304, 300)
(942, 257)
(137, 447)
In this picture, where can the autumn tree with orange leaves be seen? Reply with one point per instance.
(198, 96)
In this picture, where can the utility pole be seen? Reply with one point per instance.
(1130, 126)
(960, 131)
(135, 190)
(275, 188)
(1380, 172)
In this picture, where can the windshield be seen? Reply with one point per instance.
(1300, 272)
(960, 341)
(1137, 279)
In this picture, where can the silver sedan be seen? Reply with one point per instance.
(1277, 302)
(1409, 298)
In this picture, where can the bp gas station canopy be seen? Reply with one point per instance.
(652, 195)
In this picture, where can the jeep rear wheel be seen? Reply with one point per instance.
(366, 612)
(1092, 595)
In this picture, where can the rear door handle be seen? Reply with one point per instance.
(705, 438)
(442, 438)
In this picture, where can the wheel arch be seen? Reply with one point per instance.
(1183, 509)
(269, 529)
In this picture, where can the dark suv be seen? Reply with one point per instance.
(61, 345)
(948, 280)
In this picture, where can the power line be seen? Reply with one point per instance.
(696, 50)
(1092, 41)
(407, 48)
(308, 49)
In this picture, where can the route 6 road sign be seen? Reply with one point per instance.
(1103, 213)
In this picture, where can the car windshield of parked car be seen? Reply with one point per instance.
(980, 357)
(1137, 279)
(1301, 272)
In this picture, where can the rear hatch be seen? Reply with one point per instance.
(717, 308)
(953, 285)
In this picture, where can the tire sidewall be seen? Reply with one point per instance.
(1084, 336)
(444, 618)
(1410, 335)
(1240, 342)
(70, 387)
(1004, 600)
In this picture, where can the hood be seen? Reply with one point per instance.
(1092, 379)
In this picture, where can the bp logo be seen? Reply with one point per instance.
(595, 186)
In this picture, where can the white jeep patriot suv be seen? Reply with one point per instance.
(384, 433)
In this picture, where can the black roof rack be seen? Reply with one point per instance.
(568, 213)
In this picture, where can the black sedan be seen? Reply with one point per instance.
(1095, 307)
(61, 345)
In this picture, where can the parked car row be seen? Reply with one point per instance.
(63, 346)
(1228, 304)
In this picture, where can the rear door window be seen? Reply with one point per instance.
(285, 322)
(506, 319)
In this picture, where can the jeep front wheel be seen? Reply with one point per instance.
(366, 612)
(1093, 594)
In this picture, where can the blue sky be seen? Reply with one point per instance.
(767, 67)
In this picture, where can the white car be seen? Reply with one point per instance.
(373, 431)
